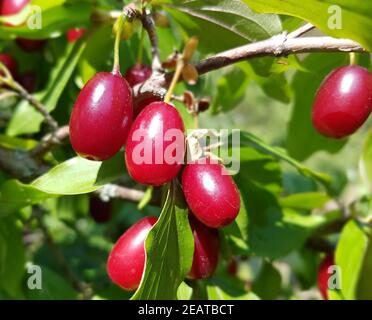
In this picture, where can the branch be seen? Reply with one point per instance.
(8, 80)
(110, 191)
(276, 46)
(149, 25)
(280, 45)
(49, 141)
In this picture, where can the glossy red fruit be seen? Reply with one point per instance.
(211, 193)
(232, 267)
(75, 34)
(206, 251)
(100, 211)
(10, 63)
(155, 148)
(323, 275)
(28, 81)
(138, 74)
(343, 102)
(11, 7)
(102, 116)
(126, 262)
(29, 45)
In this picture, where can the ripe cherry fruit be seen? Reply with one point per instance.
(100, 211)
(75, 34)
(343, 102)
(11, 7)
(323, 275)
(30, 45)
(211, 193)
(126, 262)
(138, 74)
(28, 81)
(102, 116)
(206, 250)
(155, 147)
(10, 63)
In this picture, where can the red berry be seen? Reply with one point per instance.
(100, 210)
(101, 118)
(323, 275)
(10, 63)
(11, 7)
(206, 251)
(232, 267)
(28, 81)
(343, 102)
(75, 34)
(30, 45)
(126, 262)
(211, 193)
(156, 146)
(138, 74)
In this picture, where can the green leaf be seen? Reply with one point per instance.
(54, 287)
(231, 90)
(354, 258)
(268, 284)
(305, 201)
(74, 176)
(248, 139)
(56, 18)
(26, 119)
(230, 20)
(219, 288)
(78, 175)
(271, 78)
(15, 195)
(365, 163)
(302, 139)
(12, 257)
(355, 16)
(267, 229)
(169, 248)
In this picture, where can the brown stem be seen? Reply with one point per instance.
(38, 106)
(149, 25)
(50, 141)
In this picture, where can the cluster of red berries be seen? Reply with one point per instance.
(343, 102)
(324, 274)
(101, 124)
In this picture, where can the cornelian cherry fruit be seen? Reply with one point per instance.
(11, 7)
(210, 193)
(343, 102)
(28, 81)
(10, 63)
(126, 262)
(75, 34)
(102, 116)
(206, 250)
(155, 148)
(100, 211)
(30, 45)
(137, 74)
(323, 275)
